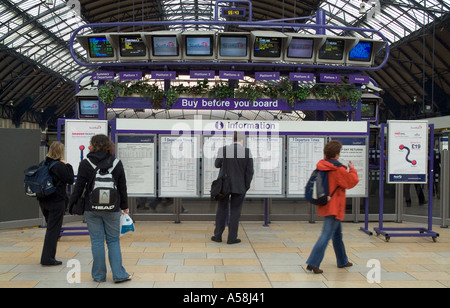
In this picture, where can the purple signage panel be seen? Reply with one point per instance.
(164, 74)
(102, 76)
(359, 79)
(301, 77)
(231, 74)
(330, 77)
(230, 104)
(267, 75)
(202, 74)
(130, 75)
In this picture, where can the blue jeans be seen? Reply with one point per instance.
(332, 229)
(101, 226)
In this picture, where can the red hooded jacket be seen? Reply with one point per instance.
(338, 176)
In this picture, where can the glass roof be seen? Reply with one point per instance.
(41, 33)
(394, 19)
(190, 10)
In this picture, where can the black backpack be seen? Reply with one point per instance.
(104, 195)
(38, 182)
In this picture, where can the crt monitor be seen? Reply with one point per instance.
(165, 45)
(362, 52)
(268, 46)
(199, 45)
(300, 48)
(100, 49)
(88, 108)
(232, 46)
(369, 109)
(132, 46)
(332, 49)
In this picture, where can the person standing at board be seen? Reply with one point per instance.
(54, 205)
(239, 167)
(339, 179)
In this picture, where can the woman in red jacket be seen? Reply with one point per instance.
(339, 179)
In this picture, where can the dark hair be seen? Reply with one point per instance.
(237, 137)
(102, 143)
(332, 149)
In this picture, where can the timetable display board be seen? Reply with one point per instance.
(303, 155)
(211, 146)
(355, 149)
(407, 151)
(268, 164)
(138, 156)
(179, 165)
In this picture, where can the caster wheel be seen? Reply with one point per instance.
(388, 238)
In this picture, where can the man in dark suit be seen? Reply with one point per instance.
(239, 167)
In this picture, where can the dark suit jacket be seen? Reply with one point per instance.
(239, 166)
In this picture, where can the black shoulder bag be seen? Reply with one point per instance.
(221, 187)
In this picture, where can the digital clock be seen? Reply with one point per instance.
(233, 12)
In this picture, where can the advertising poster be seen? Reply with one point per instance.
(268, 158)
(355, 149)
(211, 145)
(137, 154)
(407, 151)
(78, 134)
(178, 175)
(303, 155)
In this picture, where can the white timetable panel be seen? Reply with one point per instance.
(138, 156)
(178, 172)
(267, 153)
(303, 155)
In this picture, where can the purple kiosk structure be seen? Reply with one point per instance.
(297, 72)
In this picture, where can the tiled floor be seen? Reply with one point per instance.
(164, 254)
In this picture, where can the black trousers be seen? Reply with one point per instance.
(235, 213)
(54, 215)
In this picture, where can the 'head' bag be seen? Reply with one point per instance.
(104, 195)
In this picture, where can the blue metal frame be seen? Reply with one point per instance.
(320, 28)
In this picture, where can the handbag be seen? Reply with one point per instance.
(77, 208)
(221, 187)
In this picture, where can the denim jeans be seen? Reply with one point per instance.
(105, 226)
(332, 229)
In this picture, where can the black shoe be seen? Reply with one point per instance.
(216, 239)
(53, 263)
(236, 241)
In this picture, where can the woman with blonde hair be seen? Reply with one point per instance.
(54, 206)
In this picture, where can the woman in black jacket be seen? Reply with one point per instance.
(103, 223)
(54, 206)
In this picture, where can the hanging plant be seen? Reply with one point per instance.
(349, 93)
(109, 91)
(220, 91)
(302, 92)
(200, 88)
(250, 92)
(171, 97)
(323, 91)
(155, 93)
